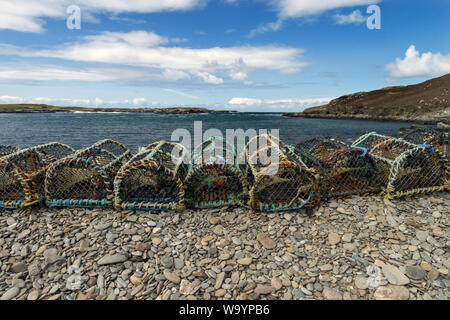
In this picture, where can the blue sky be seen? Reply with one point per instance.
(248, 55)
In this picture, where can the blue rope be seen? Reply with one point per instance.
(427, 146)
(363, 149)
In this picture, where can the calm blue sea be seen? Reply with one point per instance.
(135, 130)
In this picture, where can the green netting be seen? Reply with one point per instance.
(214, 177)
(85, 179)
(406, 168)
(152, 179)
(342, 170)
(279, 179)
(22, 174)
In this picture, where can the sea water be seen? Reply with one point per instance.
(140, 129)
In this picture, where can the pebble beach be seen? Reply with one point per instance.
(350, 249)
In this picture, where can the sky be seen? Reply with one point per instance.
(246, 55)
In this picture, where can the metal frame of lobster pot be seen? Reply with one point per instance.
(85, 179)
(153, 179)
(214, 177)
(440, 140)
(22, 174)
(343, 170)
(406, 168)
(5, 150)
(279, 179)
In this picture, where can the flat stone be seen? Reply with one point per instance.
(33, 295)
(326, 267)
(331, 294)
(167, 261)
(391, 292)
(220, 293)
(219, 280)
(422, 235)
(23, 234)
(276, 283)
(245, 261)
(415, 272)
(394, 275)
(18, 267)
(342, 210)
(264, 289)
(10, 294)
(350, 247)
(361, 282)
(112, 259)
(186, 287)
(218, 230)
(333, 238)
(135, 280)
(172, 277)
(347, 237)
(10, 221)
(179, 263)
(103, 226)
(266, 241)
(156, 241)
(207, 238)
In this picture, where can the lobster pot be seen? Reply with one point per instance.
(439, 140)
(152, 179)
(5, 150)
(342, 170)
(214, 177)
(85, 179)
(405, 168)
(279, 179)
(22, 174)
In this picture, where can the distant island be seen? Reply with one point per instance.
(43, 108)
(427, 102)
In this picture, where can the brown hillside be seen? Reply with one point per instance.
(428, 101)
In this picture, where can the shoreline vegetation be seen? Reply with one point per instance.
(43, 108)
(427, 102)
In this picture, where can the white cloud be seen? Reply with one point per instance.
(27, 15)
(133, 38)
(288, 9)
(138, 49)
(175, 75)
(271, 26)
(353, 17)
(21, 71)
(238, 75)
(244, 101)
(282, 105)
(140, 101)
(415, 64)
(36, 72)
(209, 78)
(95, 102)
(301, 8)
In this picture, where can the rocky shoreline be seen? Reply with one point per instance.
(356, 248)
(419, 120)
